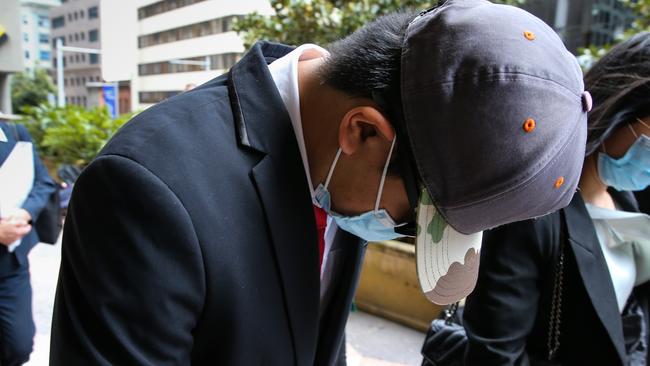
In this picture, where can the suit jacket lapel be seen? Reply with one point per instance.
(6, 147)
(263, 124)
(593, 270)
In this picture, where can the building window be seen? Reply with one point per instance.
(76, 15)
(209, 27)
(94, 58)
(44, 55)
(43, 21)
(156, 96)
(69, 17)
(83, 36)
(93, 35)
(163, 7)
(70, 37)
(25, 19)
(217, 62)
(93, 12)
(27, 55)
(43, 38)
(25, 37)
(58, 22)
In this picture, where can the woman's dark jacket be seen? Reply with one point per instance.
(507, 315)
(35, 202)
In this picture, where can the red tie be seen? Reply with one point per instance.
(321, 224)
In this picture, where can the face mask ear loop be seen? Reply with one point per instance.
(633, 132)
(383, 175)
(641, 122)
(329, 174)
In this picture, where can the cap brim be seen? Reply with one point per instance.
(447, 261)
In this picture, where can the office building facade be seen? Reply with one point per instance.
(177, 43)
(77, 23)
(35, 33)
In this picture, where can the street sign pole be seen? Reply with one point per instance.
(59, 73)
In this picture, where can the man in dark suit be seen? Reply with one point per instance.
(197, 234)
(18, 237)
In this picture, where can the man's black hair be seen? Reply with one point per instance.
(367, 62)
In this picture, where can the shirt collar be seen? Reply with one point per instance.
(284, 72)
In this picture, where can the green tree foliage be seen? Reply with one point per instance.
(72, 134)
(642, 10)
(297, 22)
(30, 89)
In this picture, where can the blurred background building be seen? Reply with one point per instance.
(11, 55)
(164, 47)
(35, 28)
(77, 23)
(583, 22)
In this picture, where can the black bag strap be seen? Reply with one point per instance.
(555, 319)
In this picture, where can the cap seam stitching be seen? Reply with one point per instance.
(493, 76)
(526, 182)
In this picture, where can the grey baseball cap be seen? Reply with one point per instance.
(495, 114)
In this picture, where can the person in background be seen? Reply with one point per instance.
(573, 287)
(24, 189)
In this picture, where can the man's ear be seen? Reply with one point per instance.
(361, 123)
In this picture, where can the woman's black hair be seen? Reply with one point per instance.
(620, 87)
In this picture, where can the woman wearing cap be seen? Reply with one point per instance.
(572, 287)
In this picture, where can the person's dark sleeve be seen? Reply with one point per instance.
(43, 184)
(132, 283)
(500, 313)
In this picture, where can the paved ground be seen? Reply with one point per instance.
(372, 341)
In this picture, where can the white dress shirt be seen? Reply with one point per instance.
(625, 240)
(284, 72)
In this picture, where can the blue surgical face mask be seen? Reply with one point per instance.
(375, 225)
(632, 171)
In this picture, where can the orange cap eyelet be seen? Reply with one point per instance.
(559, 182)
(529, 125)
(529, 35)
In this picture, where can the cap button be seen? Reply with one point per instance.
(587, 101)
(529, 125)
(529, 35)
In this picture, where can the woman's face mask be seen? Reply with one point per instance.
(632, 171)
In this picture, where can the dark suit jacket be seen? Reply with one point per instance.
(191, 238)
(42, 188)
(507, 316)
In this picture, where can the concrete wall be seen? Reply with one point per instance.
(10, 51)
